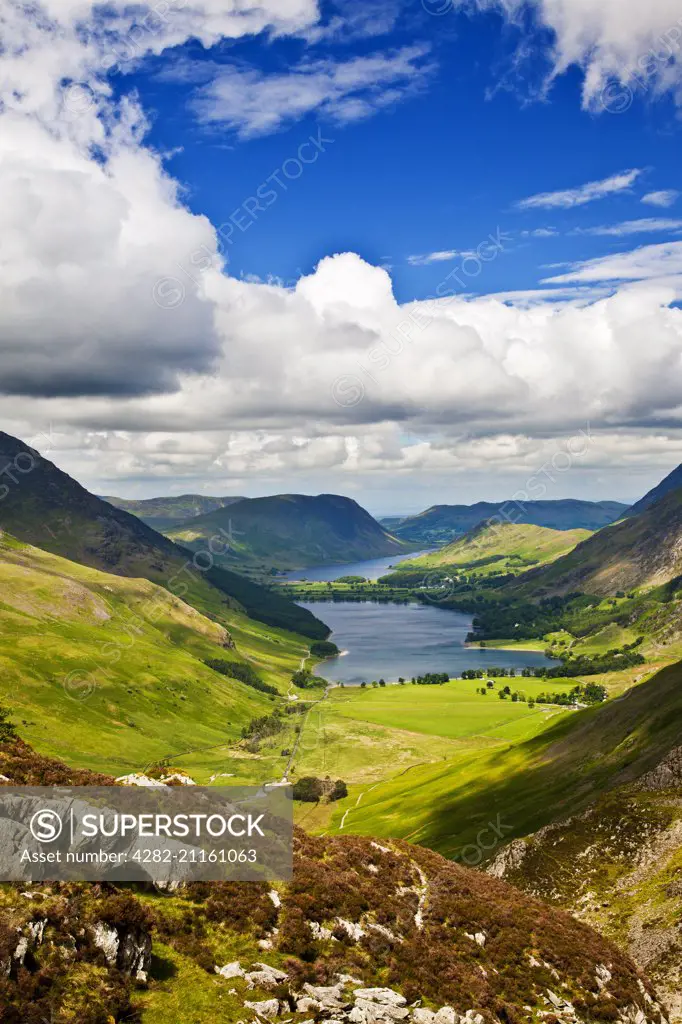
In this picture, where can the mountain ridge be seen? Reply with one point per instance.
(164, 512)
(294, 531)
(441, 524)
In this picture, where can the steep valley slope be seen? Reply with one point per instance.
(45, 507)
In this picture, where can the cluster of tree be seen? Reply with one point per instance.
(311, 789)
(239, 670)
(323, 649)
(305, 679)
(7, 728)
(592, 693)
(479, 673)
(591, 665)
(261, 728)
(431, 679)
(351, 579)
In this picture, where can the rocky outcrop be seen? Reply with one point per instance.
(128, 949)
(346, 1003)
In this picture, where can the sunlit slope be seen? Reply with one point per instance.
(642, 551)
(108, 672)
(532, 783)
(504, 546)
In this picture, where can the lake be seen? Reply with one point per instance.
(371, 570)
(385, 641)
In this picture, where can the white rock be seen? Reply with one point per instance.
(603, 976)
(183, 780)
(366, 1011)
(261, 979)
(423, 1016)
(3, 778)
(380, 995)
(21, 949)
(307, 1005)
(446, 1015)
(352, 930)
(137, 779)
(265, 1008)
(275, 971)
(107, 940)
(37, 930)
(319, 931)
(275, 897)
(480, 938)
(233, 970)
(327, 995)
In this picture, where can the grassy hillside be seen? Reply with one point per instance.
(642, 551)
(550, 776)
(43, 506)
(443, 523)
(292, 531)
(108, 672)
(163, 513)
(506, 547)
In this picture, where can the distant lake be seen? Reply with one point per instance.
(371, 570)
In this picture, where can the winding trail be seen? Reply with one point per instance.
(381, 782)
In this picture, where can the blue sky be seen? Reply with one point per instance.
(413, 251)
(438, 169)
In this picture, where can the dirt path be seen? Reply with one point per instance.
(409, 768)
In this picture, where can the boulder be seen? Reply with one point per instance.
(423, 1016)
(380, 995)
(265, 1008)
(446, 1015)
(329, 996)
(232, 970)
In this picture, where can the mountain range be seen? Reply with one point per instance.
(164, 513)
(440, 524)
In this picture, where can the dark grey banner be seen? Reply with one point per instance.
(159, 834)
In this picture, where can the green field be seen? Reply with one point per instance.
(526, 783)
